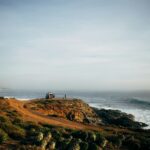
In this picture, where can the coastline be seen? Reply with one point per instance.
(65, 124)
(139, 117)
(134, 112)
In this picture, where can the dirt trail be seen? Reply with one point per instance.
(30, 116)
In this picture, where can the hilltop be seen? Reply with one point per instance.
(67, 124)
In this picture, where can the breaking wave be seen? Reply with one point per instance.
(139, 102)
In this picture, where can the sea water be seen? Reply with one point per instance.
(136, 103)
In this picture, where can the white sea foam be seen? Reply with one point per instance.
(140, 115)
(8, 97)
(23, 99)
(18, 98)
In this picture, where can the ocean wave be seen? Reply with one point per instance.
(139, 102)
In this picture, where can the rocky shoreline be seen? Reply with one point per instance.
(118, 118)
(67, 124)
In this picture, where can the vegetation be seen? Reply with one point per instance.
(3, 136)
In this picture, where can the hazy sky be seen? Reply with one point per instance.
(75, 44)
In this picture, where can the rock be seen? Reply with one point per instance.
(118, 118)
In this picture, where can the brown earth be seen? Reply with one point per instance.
(29, 115)
(71, 109)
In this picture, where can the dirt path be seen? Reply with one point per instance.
(30, 116)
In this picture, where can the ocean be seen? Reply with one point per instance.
(136, 103)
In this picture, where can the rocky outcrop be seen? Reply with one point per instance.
(118, 118)
(74, 110)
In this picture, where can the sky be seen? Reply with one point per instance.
(75, 44)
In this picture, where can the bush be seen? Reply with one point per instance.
(100, 140)
(80, 134)
(13, 131)
(51, 145)
(48, 126)
(145, 144)
(93, 146)
(3, 119)
(84, 146)
(74, 145)
(62, 144)
(32, 125)
(3, 136)
(56, 134)
(39, 137)
(44, 144)
(132, 143)
(115, 140)
(91, 137)
(12, 114)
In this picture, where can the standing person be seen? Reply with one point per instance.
(65, 96)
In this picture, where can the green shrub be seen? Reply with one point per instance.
(74, 145)
(51, 145)
(3, 119)
(64, 145)
(12, 114)
(80, 134)
(39, 137)
(19, 122)
(43, 144)
(3, 136)
(100, 140)
(91, 137)
(84, 146)
(15, 132)
(67, 136)
(115, 140)
(56, 134)
(32, 125)
(132, 143)
(93, 146)
(145, 143)
(48, 126)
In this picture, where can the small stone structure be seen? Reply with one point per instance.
(50, 95)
